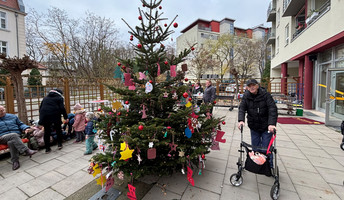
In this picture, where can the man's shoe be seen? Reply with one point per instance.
(47, 151)
(87, 153)
(59, 147)
(30, 152)
(15, 165)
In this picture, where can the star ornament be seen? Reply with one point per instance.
(101, 180)
(127, 153)
(181, 153)
(116, 105)
(96, 169)
(173, 146)
(165, 94)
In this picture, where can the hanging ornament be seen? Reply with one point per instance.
(186, 79)
(188, 104)
(184, 67)
(175, 25)
(181, 153)
(165, 25)
(141, 127)
(197, 108)
(126, 152)
(143, 111)
(139, 158)
(149, 87)
(185, 94)
(214, 102)
(208, 115)
(151, 153)
(192, 48)
(140, 17)
(190, 179)
(188, 133)
(166, 63)
(151, 144)
(142, 76)
(101, 180)
(160, 7)
(119, 64)
(118, 72)
(215, 145)
(120, 175)
(174, 96)
(190, 99)
(165, 94)
(219, 135)
(131, 194)
(150, 81)
(116, 105)
(139, 46)
(127, 79)
(109, 183)
(223, 122)
(173, 70)
(158, 73)
(96, 170)
(126, 102)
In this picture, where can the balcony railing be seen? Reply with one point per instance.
(271, 37)
(271, 13)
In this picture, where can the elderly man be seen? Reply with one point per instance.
(10, 129)
(209, 94)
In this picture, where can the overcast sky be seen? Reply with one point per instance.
(246, 13)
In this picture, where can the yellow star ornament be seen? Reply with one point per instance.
(96, 169)
(101, 180)
(126, 153)
(188, 104)
(116, 105)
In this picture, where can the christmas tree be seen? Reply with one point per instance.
(157, 127)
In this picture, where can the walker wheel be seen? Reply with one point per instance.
(342, 146)
(274, 192)
(236, 180)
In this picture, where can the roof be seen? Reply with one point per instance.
(206, 21)
(16, 5)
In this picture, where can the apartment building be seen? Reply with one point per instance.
(307, 41)
(202, 30)
(12, 28)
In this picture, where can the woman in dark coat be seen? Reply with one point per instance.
(50, 111)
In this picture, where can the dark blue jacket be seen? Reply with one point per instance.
(89, 127)
(11, 124)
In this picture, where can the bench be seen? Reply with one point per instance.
(4, 147)
(226, 98)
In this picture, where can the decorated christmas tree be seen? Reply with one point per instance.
(156, 127)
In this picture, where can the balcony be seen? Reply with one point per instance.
(271, 15)
(292, 7)
(271, 38)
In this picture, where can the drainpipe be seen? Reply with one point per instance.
(16, 14)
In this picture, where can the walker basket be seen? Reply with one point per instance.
(253, 167)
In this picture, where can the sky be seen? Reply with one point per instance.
(246, 13)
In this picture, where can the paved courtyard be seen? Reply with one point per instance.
(309, 158)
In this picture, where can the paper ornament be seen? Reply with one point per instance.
(190, 179)
(120, 175)
(90, 170)
(127, 79)
(127, 153)
(132, 87)
(158, 73)
(139, 158)
(151, 153)
(143, 111)
(142, 76)
(131, 194)
(109, 183)
(173, 70)
(149, 87)
(174, 96)
(101, 180)
(188, 132)
(116, 105)
(165, 94)
(215, 146)
(219, 136)
(197, 108)
(209, 115)
(183, 101)
(118, 72)
(181, 153)
(173, 148)
(150, 145)
(189, 104)
(96, 170)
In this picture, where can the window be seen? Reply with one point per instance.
(3, 47)
(2, 20)
(278, 17)
(286, 35)
(277, 45)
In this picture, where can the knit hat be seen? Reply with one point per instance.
(89, 115)
(77, 106)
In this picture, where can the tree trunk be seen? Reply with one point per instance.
(19, 91)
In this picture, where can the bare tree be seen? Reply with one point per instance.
(261, 56)
(15, 66)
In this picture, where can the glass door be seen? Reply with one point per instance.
(338, 93)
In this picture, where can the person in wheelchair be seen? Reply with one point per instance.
(10, 129)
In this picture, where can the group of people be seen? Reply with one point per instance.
(256, 102)
(50, 111)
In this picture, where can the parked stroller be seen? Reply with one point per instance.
(257, 163)
(342, 129)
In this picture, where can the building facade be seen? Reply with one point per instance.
(307, 41)
(201, 30)
(12, 28)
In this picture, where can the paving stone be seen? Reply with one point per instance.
(47, 194)
(232, 192)
(216, 165)
(209, 180)
(326, 143)
(325, 162)
(232, 162)
(338, 189)
(198, 193)
(308, 143)
(15, 180)
(223, 155)
(309, 179)
(45, 167)
(332, 176)
(286, 144)
(157, 193)
(71, 156)
(264, 193)
(46, 157)
(6, 171)
(315, 152)
(339, 159)
(297, 163)
(295, 153)
(72, 183)
(149, 179)
(11, 194)
(334, 151)
(315, 194)
(299, 137)
(175, 183)
(70, 168)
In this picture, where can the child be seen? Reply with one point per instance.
(90, 134)
(79, 123)
(69, 122)
(37, 141)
